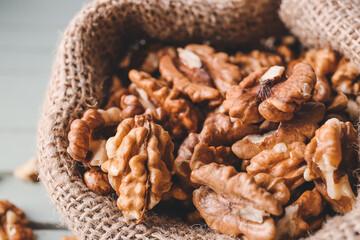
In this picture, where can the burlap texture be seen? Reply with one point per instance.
(88, 53)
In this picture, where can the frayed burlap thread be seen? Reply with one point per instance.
(91, 46)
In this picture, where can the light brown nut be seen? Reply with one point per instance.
(139, 166)
(233, 217)
(81, 139)
(130, 106)
(322, 90)
(97, 181)
(205, 154)
(242, 100)
(153, 56)
(223, 73)
(304, 215)
(323, 61)
(299, 129)
(338, 103)
(225, 180)
(274, 185)
(345, 78)
(285, 52)
(197, 92)
(115, 98)
(283, 161)
(182, 114)
(28, 171)
(331, 156)
(13, 224)
(286, 97)
(254, 61)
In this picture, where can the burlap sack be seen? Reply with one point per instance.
(88, 53)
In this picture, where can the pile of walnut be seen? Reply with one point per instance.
(260, 143)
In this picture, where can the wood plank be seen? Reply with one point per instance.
(51, 234)
(30, 197)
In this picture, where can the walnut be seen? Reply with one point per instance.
(286, 97)
(28, 171)
(274, 185)
(322, 90)
(115, 98)
(254, 61)
(299, 129)
(130, 106)
(322, 60)
(97, 181)
(81, 139)
(153, 56)
(338, 103)
(223, 73)
(73, 237)
(182, 115)
(283, 161)
(197, 92)
(346, 78)
(13, 224)
(304, 215)
(242, 100)
(331, 156)
(140, 160)
(233, 217)
(225, 180)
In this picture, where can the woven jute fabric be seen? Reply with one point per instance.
(91, 46)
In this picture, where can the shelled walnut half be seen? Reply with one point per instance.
(140, 160)
(13, 224)
(233, 203)
(331, 156)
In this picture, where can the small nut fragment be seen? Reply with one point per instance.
(80, 137)
(97, 181)
(28, 171)
(338, 103)
(139, 166)
(130, 106)
(322, 90)
(73, 237)
(233, 217)
(322, 60)
(283, 161)
(299, 129)
(13, 224)
(330, 156)
(345, 78)
(189, 58)
(304, 215)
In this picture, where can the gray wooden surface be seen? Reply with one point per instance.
(29, 33)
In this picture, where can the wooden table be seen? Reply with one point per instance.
(29, 33)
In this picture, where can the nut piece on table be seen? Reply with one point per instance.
(28, 171)
(73, 237)
(274, 185)
(81, 141)
(13, 224)
(304, 215)
(97, 181)
(225, 180)
(346, 78)
(196, 91)
(286, 97)
(233, 217)
(182, 115)
(299, 129)
(283, 161)
(331, 156)
(254, 61)
(140, 160)
(223, 73)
